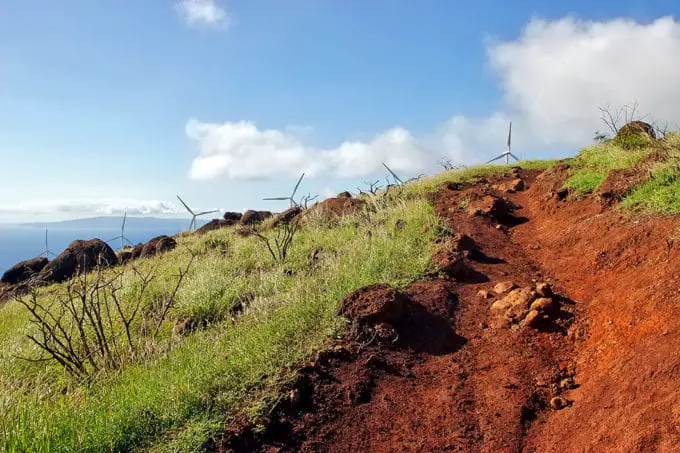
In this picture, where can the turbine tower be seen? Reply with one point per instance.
(508, 153)
(122, 237)
(47, 252)
(192, 225)
(292, 195)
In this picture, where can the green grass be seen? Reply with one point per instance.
(432, 183)
(661, 193)
(189, 388)
(592, 165)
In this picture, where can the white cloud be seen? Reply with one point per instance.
(553, 77)
(94, 207)
(207, 12)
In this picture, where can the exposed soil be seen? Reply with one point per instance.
(551, 326)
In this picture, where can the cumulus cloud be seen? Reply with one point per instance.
(95, 207)
(553, 77)
(206, 12)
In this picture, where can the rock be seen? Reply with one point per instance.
(295, 396)
(542, 304)
(80, 256)
(463, 242)
(533, 318)
(157, 245)
(484, 294)
(400, 224)
(232, 216)
(567, 383)
(514, 307)
(490, 207)
(336, 207)
(544, 289)
(184, 326)
(636, 128)
(344, 195)
(214, 224)
(125, 255)
(254, 217)
(286, 216)
(504, 287)
(455, 186)
(515, 185)
(385, 332)
(23, 271)
(450, 261)
(557, 403)
(374, 304)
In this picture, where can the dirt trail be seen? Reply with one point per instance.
(453, 379)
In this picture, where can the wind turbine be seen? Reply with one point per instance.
(47, 251)
(192, 225)
(394, 175)
(508, 153)
(122, 237)
(292, 195)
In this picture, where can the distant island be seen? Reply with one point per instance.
(115, 222)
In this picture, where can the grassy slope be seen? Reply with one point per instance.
(178, 397)
(658, 195)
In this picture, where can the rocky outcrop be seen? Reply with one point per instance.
(286, 216)
(80, 256)
(254, 217)
(23, 271)
(215, 224)
(157, 245)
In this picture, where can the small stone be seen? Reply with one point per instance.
(558, 403)
(532, 318)
(385, 332)
(567, 383)
(484, 294)
(544, 289)
(294, 396)
(400, 224)
(504, 287)
(542, 304)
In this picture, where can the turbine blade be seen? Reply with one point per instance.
(496, 158)
(277, 198)
(514, 157)
(394, 175)
(297, 185)
(207, 212)
(124, 219)
(185, 205)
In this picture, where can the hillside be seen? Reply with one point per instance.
(531, 308)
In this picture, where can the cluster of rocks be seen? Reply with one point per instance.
(530, 306)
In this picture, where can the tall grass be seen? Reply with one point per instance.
(182, 394)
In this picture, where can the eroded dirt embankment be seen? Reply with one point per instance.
(624, 272)
(582, 356)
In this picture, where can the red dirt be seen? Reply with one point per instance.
(453, 380)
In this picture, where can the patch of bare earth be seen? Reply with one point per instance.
(551, 325)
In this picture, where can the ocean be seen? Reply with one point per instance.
(18, 243)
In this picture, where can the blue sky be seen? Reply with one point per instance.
(113, 104)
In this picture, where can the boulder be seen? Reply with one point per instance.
(215, 224)
(637, 128)
(125, 255)
(451, 261)
(23, 271)
(254, 217)
(374, 304)
(344, 195)
(286, 216)
(80, 256)
(336, 207)
(232, 216)
(157, 245)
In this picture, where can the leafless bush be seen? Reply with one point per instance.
(373, 187)
(612, 118)
(447, 164)
(280, 242)
(89, 327)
